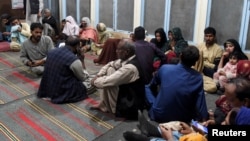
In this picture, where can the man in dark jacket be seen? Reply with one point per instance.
(64, 74)
(146, 52)
(33, 10)
(50, 24)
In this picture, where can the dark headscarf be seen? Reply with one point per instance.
(162, 45)
(180, 42)
(177, 34)
(237, 48)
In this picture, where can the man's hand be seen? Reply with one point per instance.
(185, 128)
(93, 81)
(19, 29)
(209, 122)
(6, 33)
(166, 133)
(30, 63)
(36, 63)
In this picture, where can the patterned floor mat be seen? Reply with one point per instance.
(17, 81)
(37, 119)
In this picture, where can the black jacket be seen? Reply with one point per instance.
(34, 6)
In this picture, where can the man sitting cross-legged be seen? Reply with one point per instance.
(64, 74)
(122, 83)
(181, 95)
(35, 49)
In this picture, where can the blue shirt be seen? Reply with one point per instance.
(180, 97)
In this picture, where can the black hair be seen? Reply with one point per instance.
(242, 87)
(233, 115)
(13, 18)
(33, 26)
(5, 16)
(234, 54)
(139, 33)
(72, 41)
(163, 36)
(237, 48)
(210, 30)
(189, 56)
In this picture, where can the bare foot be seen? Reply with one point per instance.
(47, 98)
(98, 107)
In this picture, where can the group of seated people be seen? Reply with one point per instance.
(166, 77)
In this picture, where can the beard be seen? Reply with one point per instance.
(37, 38)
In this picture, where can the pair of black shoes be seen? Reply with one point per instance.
(147, 130)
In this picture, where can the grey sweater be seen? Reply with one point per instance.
(31, 51)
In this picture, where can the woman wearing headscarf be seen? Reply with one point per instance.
(70, 28)
(103, 35)
(230, 46)
(160, 42)
(178, 43)
(87, 34)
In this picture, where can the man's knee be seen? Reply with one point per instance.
(38, 70)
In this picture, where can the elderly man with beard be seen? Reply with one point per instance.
(123, 91)
(35, 49)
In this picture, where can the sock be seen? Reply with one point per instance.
(131, 136)
(146, 127)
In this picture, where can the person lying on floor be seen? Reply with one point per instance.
(64, 74)
(122, 83)
(170, 131)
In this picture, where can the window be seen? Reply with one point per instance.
(169, 14)
(246, 30)
(71, 8)
(125, 15)
(84, 8)
(154, 15)
(182, 15)
(247, 45)
(106, 12)
(226, 18)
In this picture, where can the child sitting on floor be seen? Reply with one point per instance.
(227, 72)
